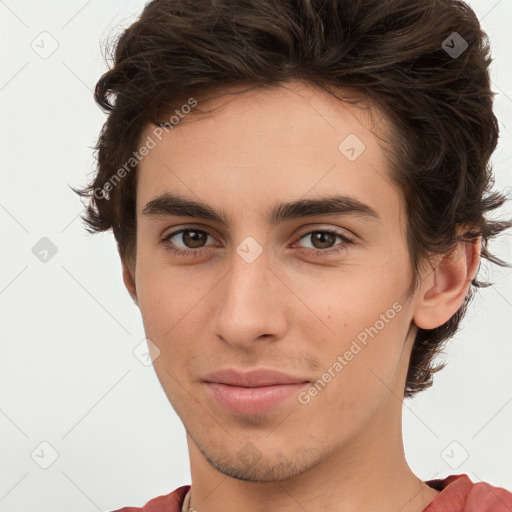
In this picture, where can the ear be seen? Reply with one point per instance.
(444, 287)
(129, 280)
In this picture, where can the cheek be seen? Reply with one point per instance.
(160, 305)
(162, 313)
(368, 320)
(172, 305)
(358, 297)
(360, 367)
(154, 295)
(164, 293)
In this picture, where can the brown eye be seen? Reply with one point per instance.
(322, 239)
(323, 242)
(186, 242)
(194, 239)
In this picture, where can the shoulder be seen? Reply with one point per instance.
(459, 494)
(168, 503)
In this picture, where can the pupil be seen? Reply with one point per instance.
(195, 237)
(321, 237)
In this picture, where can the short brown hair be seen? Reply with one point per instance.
(394, 52)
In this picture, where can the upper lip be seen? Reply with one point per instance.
(252, 378)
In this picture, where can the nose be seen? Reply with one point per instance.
(251, 304)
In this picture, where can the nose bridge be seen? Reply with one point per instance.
(248, 300)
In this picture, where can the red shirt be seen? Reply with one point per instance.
(457, 494)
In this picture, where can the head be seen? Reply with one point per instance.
(251, 106)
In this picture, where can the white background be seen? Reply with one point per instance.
(68, 375)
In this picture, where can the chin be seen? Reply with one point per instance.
(260, 472)
(250, 464)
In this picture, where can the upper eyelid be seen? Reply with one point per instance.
(178, 231)
(301, 234)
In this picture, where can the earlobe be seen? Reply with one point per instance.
(129, 281)
(445, 286)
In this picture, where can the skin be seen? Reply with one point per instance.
(287, 310)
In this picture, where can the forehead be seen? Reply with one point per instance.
(258, 147)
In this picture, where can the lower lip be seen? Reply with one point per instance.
(242, 400)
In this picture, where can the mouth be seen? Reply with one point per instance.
(254, 392)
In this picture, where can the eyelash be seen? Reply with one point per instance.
(346, 241)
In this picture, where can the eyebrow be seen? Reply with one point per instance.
(171, 204)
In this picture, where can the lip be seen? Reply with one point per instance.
(253, 378)
(253, 392)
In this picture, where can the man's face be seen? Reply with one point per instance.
(330, 309)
